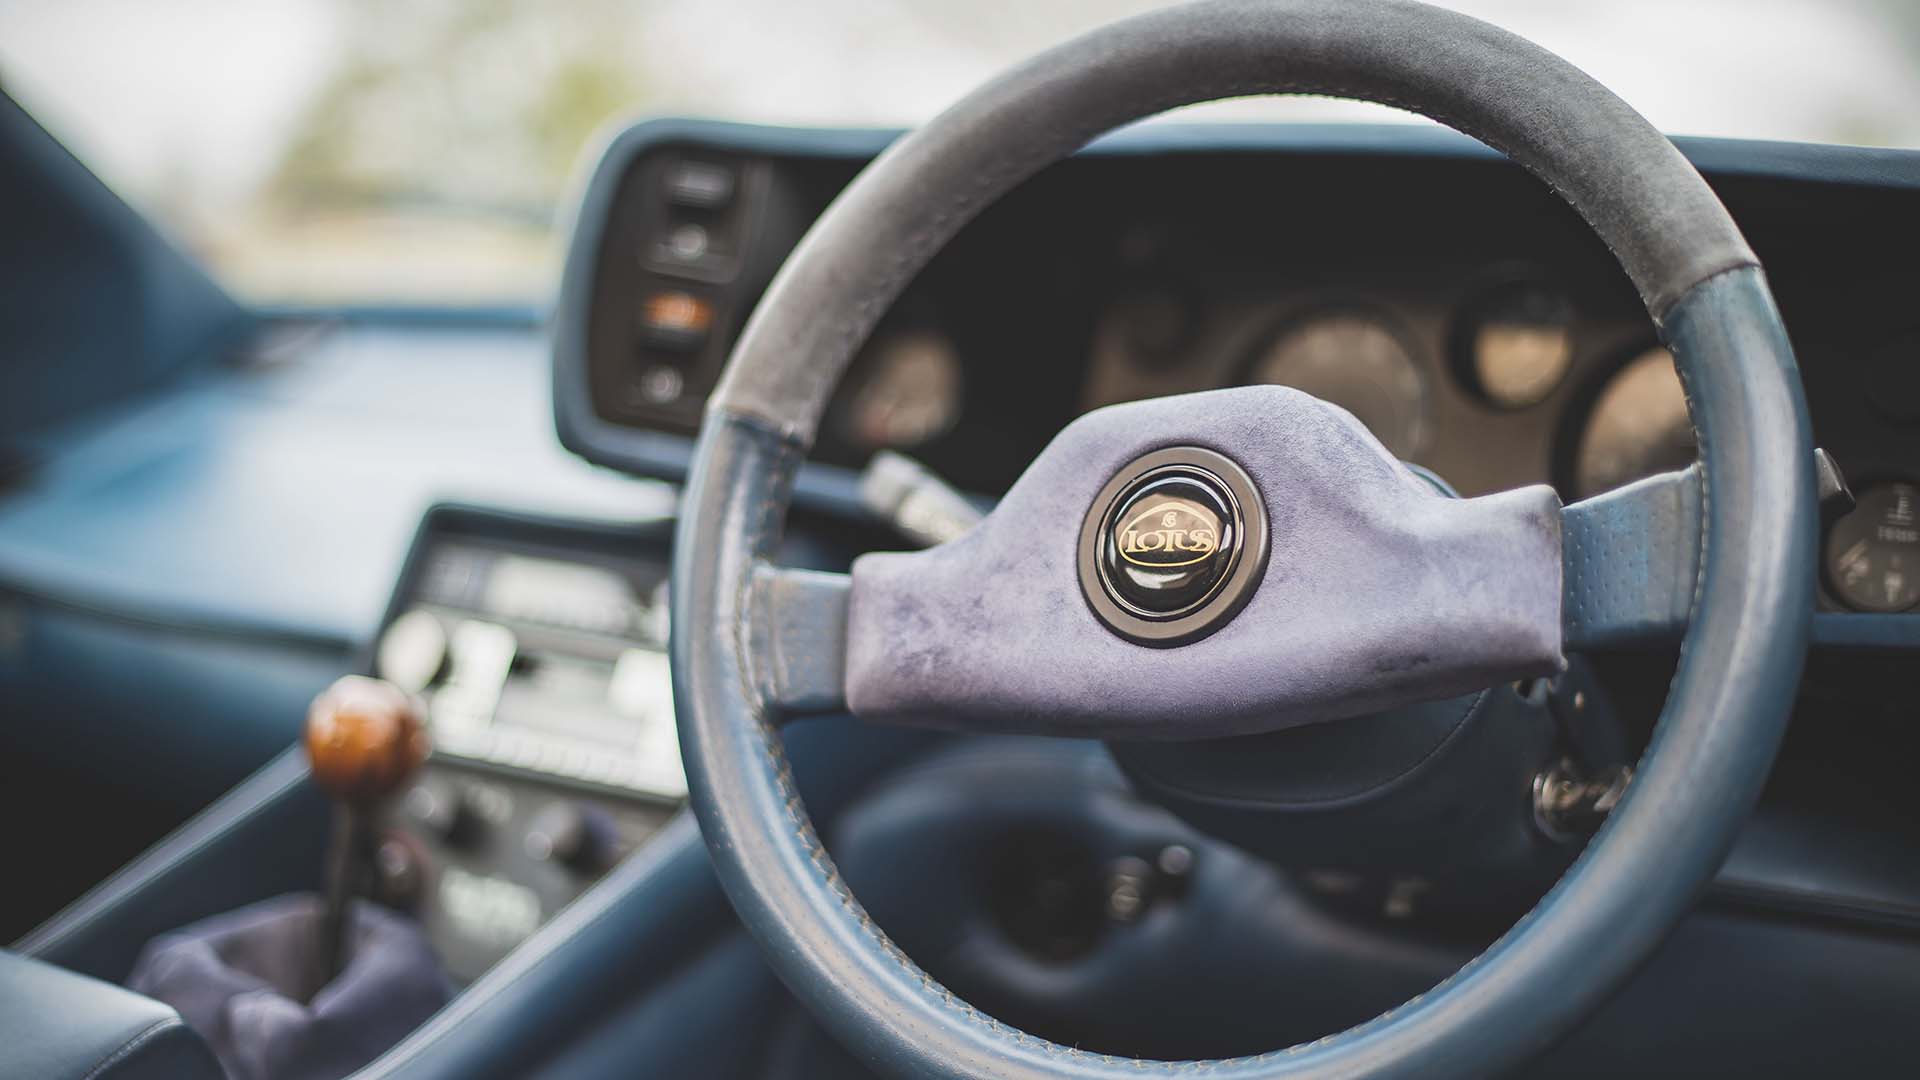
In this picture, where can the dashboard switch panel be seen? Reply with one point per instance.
(671, 278)
(553, 666)
(538, 650)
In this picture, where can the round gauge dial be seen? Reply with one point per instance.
(1873, 554)
(1519, 345)
(1638, 426)
(1357, 362)
(1155, 327)
(909, 394)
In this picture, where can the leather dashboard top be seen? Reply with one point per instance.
(279, 498)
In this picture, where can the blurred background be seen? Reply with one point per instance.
(327, 152)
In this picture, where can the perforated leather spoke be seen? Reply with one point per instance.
(1632, 562)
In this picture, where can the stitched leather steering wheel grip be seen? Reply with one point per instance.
(364, 739)
(1747, 508)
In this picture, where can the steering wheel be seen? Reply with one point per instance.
(1186, 567)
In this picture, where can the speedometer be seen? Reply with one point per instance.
(1356, 361)
(1638, 426)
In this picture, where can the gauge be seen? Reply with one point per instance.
(909, 394)
(1357, 362)
(1155, 327)
(1638, 426)
(1518, 345)
(1873, 554)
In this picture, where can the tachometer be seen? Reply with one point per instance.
(1638, 426)
(1358, 362)
(909, 394)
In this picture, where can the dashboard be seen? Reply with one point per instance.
(1411, 276)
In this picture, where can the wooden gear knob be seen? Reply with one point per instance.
(364, 739)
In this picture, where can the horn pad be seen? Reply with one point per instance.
(1173, 546)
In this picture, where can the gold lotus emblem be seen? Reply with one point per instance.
(1169, 533)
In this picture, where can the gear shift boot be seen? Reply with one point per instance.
(239, 978)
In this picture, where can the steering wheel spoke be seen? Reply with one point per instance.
(1321, 579)
(1632, 562)
(1631, 569)
(798, 640)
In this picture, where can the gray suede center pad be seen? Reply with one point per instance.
(1378, 591)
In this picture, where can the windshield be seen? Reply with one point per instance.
(322, 152)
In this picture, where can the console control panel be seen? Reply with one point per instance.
(541, 663)
(538, 650)
(484, 858)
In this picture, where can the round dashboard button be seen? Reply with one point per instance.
(570, 834)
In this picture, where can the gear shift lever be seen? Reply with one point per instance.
(364, 739)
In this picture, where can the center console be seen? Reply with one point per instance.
(538, 652)
(539, 844)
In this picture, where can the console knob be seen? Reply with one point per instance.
(399, 872)
(570, 834)
(413, 651)
(438, 806)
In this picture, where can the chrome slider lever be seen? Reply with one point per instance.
(918, 504)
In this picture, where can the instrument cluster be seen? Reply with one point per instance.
(1610, 413)
(1513, 379)
(1443, 297)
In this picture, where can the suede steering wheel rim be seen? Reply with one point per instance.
(1750, 602)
